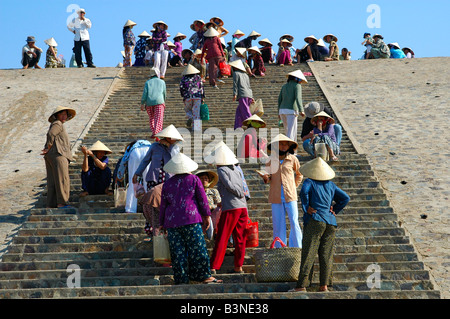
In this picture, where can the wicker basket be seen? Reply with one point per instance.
(277, 264)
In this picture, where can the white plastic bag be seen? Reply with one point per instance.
(161, 250)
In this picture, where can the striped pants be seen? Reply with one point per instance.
(318, 238)
(155, 117)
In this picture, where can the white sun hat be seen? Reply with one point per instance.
(190, 69)
(239, 32)
(51, 42)
(222, 155)
(170, 132)
(298, 74)
(180, 164)
(318, 170)
(238, 65)
(129, 23)
(254, 34)
(211, 33)
(99, 146)
(144, 34)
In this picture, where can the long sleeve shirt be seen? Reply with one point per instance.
(183, 201)
(290, 97)
(213, 48)
(128, 37)
(159, 37)
(191, 87)
(231, 188)
(320, 196)
(329, 130)
(81, 28)
(154, 92)
(58, 140)
(122, 165)
(241, 85)
(287, 175)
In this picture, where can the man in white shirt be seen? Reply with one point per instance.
(79, 26)
(31, 54)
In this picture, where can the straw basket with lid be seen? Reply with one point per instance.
(71, 113)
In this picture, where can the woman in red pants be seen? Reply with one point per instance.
(233, 219)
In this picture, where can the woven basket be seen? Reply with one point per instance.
(277, 264)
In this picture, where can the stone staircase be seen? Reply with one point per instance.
(114, 260)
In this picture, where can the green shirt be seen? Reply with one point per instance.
(291, 97)
(154, 92)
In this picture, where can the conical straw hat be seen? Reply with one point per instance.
(241, 51)
(255, 118)
(213, 177)
(99, 146)
(318, 170)
(254, 34)
(214, 18)
(152, 73)
(288, 37)
(198, 52)
(129, 23)
(311, 37)
(281, 138)
(222, 155)
(298, 74)
(395, 44)
(211, 33)
(180, 164)
(180, 35)
(170, 132)
(238, 65)
(324, 115)
(254, 48)
(285, 41)
(170, 44)
(51, 42)
(239, 32)
(160, 22)
(190, 69)
(335, 39)
(144, 34)
(321, 43)
(71, 112)
(265, 41)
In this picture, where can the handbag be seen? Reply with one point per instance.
(120, 196)
(277, 264)
(161, 250)
(204, 112)
(256, 107)
(252, 234)
(225, 69)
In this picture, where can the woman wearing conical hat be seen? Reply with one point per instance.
(129, 42)
(210, 179)
(160, 48)
(95, 173)
(199, 63)
(284, 177)
(140, 50)
(193, 93)
(184, 208)
(213, 50)
(234, 40)
(319, 221)
(250, 145)
(156, 157)
(267, 53)
(323, 132)
(52, 60)
(290, 103)
(310, 52)
(247, 42)
(242, 92)
(57, 156)
(258, 63)
(284, 53)
(333, 48)
(234, 217)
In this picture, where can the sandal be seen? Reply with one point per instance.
(213, 281)
(297, 290)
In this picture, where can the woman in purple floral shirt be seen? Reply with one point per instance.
(129, 42)
(184, 208)
(193, 93)
(160, 48)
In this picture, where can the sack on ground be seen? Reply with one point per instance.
(277, 264)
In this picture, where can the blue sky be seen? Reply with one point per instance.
(417, 24)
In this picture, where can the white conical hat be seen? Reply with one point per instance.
(254, 48)
(144, 34)
(51, 42)
(211, 33)
(99, 146)
(265, 41)
(318, 170)
(323, 114)
(282, 138)
(239, 32)
(129, 23)
(180, 164)
(198, 52)
(72, 113)
(160, 22)
(298, 74)
(241, 51)
(170, 44)
(190, 69)
(394, 44)
(321, 43)
(170, 132)
(238, 65)
(180, 35)
(222, 155)
(254, 34)
(311, 37)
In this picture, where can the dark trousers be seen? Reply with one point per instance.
(87, 52)
(31, 62)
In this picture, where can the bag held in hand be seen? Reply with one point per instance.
(161, 251)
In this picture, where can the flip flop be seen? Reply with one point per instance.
(214, 281)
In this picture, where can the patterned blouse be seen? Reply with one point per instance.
(128, 37)
(159, 37)
(139, 51)
(50, 61)
(213, 198)
(191, 87)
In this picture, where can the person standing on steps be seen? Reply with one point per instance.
(57, 155)
(242, 92)
(129, 42)
(284, 177)
(160, 48)
(213, 49)
(193, 93)
(319, 219)
(290, 103)
(153, 101)
(80, 27)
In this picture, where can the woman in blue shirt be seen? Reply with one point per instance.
(317, 196)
